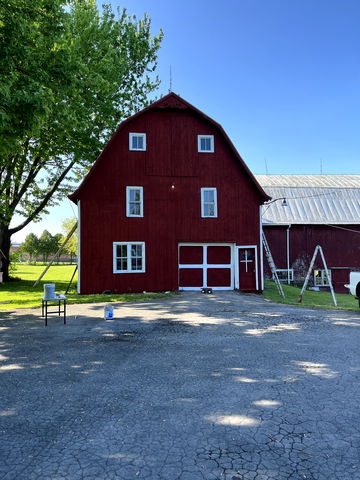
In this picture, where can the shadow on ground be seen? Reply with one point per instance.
(190, 387)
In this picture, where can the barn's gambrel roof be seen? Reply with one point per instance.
(172, 101)
(312, 199)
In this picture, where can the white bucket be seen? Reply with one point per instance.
(108, 312)
(49, 290)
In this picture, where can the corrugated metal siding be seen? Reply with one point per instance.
(312, 199)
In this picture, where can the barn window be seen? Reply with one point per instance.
(285, 275)
(208, 202)
(321, 279)
(128, 257)
(206, 143)
(137, 141)
(134, 202)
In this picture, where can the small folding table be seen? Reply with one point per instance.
(58, 301)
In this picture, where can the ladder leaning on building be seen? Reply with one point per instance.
(272, 266)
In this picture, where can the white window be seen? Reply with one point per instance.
(208, 202)
(285, 275)
(206, 143)
(137, 141)
(134, 202)
(128, 257)
(321, 279)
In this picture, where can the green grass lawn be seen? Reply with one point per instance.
(310, 298)
(22, 294)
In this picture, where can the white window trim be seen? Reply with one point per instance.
(128, 244)
(134, 134)
(323, 274)
(128, 190)
(211, 143)
(203, 190)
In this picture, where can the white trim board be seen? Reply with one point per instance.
(79, 246)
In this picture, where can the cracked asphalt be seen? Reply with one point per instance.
(192, 387)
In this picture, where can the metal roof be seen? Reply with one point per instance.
(311, 199)
(325, 181)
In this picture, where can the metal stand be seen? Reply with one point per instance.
(58, 299)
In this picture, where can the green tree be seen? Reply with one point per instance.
(71, 248)
(69, 75)
(58, 239)
(30, 247)
(48, 244)
(15, 258)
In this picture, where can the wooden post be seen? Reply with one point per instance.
(73, 275)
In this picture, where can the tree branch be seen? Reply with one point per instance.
(44, 202)
(35, 168)
(8, 170)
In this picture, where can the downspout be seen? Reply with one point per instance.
(288, 252)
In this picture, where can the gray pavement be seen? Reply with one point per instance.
(192, 387)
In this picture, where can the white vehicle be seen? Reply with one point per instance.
(354, 285)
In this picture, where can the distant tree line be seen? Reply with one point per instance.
(46, 246)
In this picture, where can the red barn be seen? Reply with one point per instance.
(321, 210)
(169, 204)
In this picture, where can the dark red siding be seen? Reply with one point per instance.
(191, 255)
(341, 248)
(171, 172)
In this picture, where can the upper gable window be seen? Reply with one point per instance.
(206, 143)
(137, 141)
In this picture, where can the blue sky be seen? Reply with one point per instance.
(281, 76)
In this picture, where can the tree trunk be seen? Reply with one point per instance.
(5, 242)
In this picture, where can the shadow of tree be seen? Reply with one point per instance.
(231, 383)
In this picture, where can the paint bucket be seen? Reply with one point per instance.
(108, 312)
(49, 291)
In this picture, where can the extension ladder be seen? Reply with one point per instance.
(272, 265)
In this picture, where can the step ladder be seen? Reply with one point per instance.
(317, 250)
(272, 266)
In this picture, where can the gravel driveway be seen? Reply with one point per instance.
(221, 386)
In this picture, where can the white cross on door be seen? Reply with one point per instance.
(246, 257)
